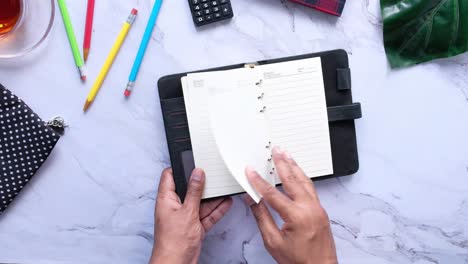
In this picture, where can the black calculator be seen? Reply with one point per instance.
(210, 11)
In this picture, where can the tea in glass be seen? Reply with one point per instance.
(10, 13)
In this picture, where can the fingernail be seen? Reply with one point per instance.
(197, 175)
(287, 155)
(251, 173)
(249, 170)
(277, 150)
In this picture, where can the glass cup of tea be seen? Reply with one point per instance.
(24, 25)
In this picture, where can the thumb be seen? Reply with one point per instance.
(195, 190)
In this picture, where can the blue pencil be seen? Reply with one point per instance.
(143, 45)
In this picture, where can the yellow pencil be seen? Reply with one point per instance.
(110, 59)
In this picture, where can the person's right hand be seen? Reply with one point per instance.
(306, 235)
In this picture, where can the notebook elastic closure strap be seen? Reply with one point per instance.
(344, 112)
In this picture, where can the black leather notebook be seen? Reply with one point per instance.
(340, 107)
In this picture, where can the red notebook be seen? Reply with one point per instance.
(333, 7)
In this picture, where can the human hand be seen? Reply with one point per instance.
(306, 235)
(181, 227)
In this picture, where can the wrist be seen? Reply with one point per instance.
(162, 256)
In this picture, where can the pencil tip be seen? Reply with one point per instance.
(85, 54)
(86, 106)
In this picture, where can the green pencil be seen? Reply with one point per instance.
(72, 39)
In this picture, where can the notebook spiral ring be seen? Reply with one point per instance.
(261, 96)
(272, 169)
(268, 146)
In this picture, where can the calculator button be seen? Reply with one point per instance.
(210, 11)
(200, 20)
(226, 10)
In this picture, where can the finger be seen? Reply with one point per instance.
(305, 181)
(271, 195)
(270, 232)
(195, 191)
(210, 220)
(166, 184)
(209, 206)
(167, 187)
(291, 181)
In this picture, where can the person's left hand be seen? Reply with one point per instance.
(181, 227)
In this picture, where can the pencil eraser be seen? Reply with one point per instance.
(127, 93)
(134, 11)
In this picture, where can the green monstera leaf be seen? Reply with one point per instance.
(416, 31)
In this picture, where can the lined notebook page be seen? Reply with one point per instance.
(239, 127)
(218, 178)
(297, 113)
(220, 106)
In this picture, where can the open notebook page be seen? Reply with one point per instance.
(296, 119)
(297, 113)
(239, 127)
(219, 180)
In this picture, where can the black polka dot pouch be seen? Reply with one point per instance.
(25, 143)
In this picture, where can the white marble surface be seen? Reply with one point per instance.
(92, 202)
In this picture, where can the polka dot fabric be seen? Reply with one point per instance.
(25, 143)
